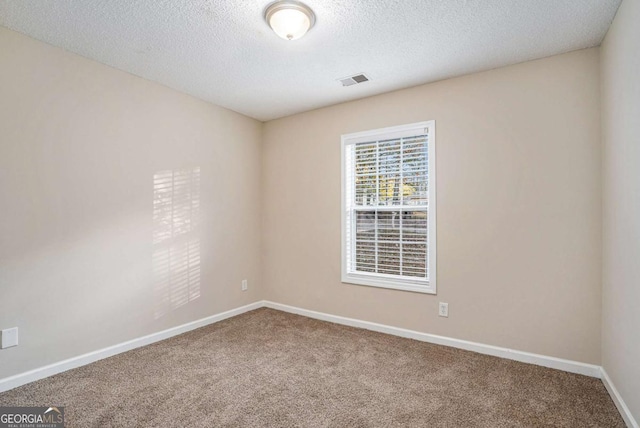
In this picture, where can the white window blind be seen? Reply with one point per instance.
(389, 207)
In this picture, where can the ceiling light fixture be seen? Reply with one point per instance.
(289, 19)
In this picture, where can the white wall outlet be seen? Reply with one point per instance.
(245, 285)
(443, 309)
(9, 337)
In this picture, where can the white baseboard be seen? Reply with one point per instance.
(510, 354)
(619, 402)
(81, 360)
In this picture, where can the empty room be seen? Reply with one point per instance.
(319, 213)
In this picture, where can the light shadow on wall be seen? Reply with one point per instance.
(176, 244)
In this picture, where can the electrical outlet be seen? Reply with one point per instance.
(245, 285)
(9, 337)
(443, 309)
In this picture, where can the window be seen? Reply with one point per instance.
(389, 208)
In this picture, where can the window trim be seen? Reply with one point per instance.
(382, 280)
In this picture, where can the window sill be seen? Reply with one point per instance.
(424, 288)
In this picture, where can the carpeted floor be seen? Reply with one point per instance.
(268, 369)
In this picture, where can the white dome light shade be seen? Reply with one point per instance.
(289, 19)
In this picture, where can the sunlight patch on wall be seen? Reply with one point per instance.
(176, 245)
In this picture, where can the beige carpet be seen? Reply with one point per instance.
(270, 368)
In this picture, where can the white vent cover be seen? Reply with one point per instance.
(353, 80)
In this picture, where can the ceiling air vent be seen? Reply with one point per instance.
(353, 80)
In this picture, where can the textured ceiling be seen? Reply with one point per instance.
(222, 51)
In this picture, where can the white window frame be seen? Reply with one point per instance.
(390, 281)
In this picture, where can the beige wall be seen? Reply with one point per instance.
(519, 208)
(80, 144)
(621, 204)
